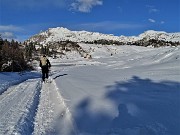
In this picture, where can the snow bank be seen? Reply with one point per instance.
(9, 78)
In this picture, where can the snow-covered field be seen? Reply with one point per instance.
(122, 90)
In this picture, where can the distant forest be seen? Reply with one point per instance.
(14, 56)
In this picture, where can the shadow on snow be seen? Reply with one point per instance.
(57, 76)
(144, 107)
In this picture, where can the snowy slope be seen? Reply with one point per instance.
(122, 90)
(133, 92)
(63, 34)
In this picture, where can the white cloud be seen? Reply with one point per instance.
(155, 21)
(152, 9)
(8, 35)
(151, 20)
(4, 28)
(162, 22)
(85, 5)
(34, 3)
(10, 31)
(76, 5)
(108, 26)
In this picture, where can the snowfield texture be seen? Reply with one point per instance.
(122, 90)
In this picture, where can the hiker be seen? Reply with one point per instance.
(45, 65)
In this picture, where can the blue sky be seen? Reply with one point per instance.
(21, 19)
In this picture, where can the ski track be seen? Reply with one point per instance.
(18, 106)
(53, 116)
(35, 108)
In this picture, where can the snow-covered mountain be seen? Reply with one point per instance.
(63, 34)
(160, 35)
(64, 43)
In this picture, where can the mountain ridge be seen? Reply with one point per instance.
(64, 34)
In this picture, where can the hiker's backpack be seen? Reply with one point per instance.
(43, 61)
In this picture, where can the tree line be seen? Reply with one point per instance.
(13, 56)
(143, 42)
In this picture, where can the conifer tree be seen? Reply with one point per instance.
(42, 50)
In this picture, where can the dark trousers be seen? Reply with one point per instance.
(45, 72)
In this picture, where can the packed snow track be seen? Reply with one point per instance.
(34, 108)
(18, 106)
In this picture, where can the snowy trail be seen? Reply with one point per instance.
(18, 106)
(35, 108)
(53, 116)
